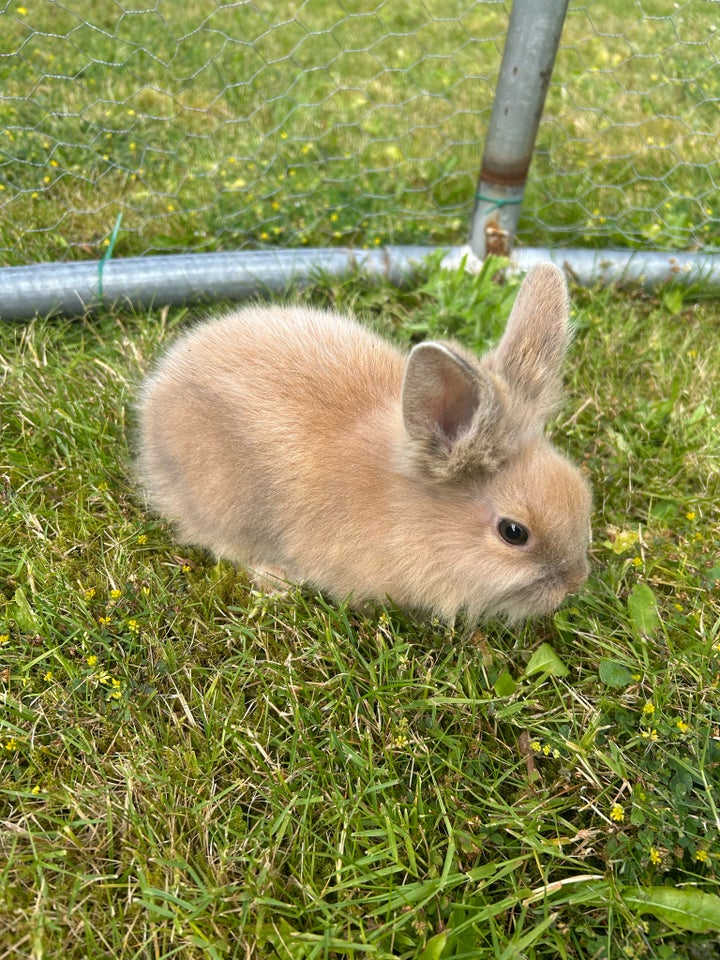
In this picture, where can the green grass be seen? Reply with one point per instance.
(230, 126)
(190, 769)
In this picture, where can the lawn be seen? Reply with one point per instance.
(191, 769)
(212, 125)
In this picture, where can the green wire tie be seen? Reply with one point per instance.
(497, 204)
(108, 254)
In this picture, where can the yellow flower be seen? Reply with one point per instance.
(623, 541)
(681, 725)
(142, 539)
(617, 813)
(11, 745)
(48, 675)
(651, 735)
(648, 709)
(22, 11)
(186, 568)
(91, 660)
(690, 515)
(103, 621)
(4, 637)
(115, 594)
(702, 856)
(655, 856)
(90, 593)
(133, 626)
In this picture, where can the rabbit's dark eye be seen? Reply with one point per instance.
(513, 532)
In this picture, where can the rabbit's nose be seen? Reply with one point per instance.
(576, 577)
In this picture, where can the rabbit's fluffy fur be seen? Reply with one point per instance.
(298, 443)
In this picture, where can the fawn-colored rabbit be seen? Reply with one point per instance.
(300, 444)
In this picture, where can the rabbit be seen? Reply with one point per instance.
(298, 443)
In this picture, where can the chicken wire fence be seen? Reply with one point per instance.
(155, 126)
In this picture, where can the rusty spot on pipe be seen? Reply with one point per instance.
(510, 176)
(498, 242)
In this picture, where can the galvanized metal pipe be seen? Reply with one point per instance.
(530, 48)
(73, 288)
(647, 268)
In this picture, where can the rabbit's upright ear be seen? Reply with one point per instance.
(452, 412)
(530, 354)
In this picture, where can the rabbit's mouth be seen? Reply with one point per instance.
(537, 599)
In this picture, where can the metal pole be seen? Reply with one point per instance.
(530, 48)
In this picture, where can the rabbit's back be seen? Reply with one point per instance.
(290, 359)
(261, 412)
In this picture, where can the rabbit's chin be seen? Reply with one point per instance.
(523, 603)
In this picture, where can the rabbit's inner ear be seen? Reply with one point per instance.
(440, 393)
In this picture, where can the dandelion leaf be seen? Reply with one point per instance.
(686, 909)
(643, 610)
(545, 660)
(434, 947)
(505, 686)
(23, 614)
(614, 674)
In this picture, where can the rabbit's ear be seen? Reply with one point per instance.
(530, 354)
(454, 413)
(439, 393)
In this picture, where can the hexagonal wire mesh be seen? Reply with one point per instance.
(236, 125)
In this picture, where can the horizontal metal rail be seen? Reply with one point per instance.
(75, 288)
